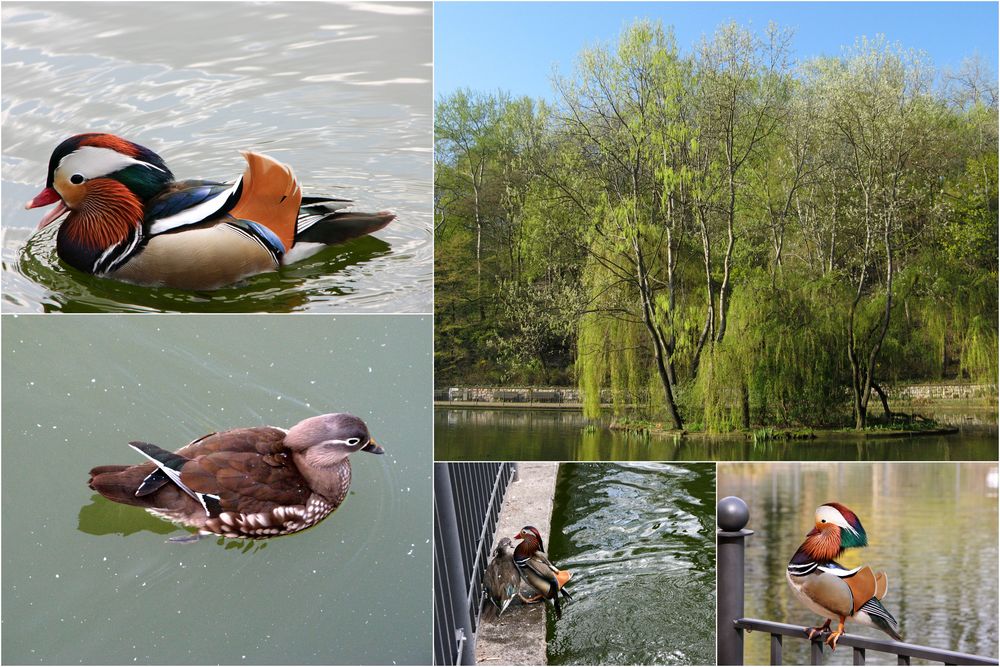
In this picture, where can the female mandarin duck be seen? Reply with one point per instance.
(827, 588)
(130, 220)
(537, 571)
(502, 579)
(246, 483)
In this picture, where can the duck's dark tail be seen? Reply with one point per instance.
(119, 483)
(340, 226)
(322, 220)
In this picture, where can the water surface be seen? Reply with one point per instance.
(932, 527)
(341, 92)
(466, 434)
(88, 581)
(640, 539)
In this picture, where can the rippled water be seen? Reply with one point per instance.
(640, 540)
(563, 435)
(89, 581)
(341, 92)
(932, 527)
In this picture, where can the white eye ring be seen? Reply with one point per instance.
(353, 441)
(76, 179)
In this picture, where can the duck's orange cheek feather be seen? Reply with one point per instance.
(107, 215)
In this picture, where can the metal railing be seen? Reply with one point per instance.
(732, 516)
(467, 500)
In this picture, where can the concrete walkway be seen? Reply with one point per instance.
(518, 637)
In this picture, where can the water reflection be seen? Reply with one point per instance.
(564, 435)
(932, 527)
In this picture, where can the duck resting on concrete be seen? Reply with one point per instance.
(502, 579)
(829, 589)
(127, 218)
(251, 483)
(536, 569)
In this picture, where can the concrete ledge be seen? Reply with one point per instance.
(518, 637)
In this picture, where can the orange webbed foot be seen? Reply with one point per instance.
(819, 629)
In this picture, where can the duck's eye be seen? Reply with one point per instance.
(76, 179)
(822, 520)
(353, 441)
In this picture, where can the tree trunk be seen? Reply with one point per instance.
(727, 262)
(660, 353)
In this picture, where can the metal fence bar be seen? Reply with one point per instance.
(869, 643)
(447, 560)
(816, 653)
(467, 500)
(775, 649)
(733, 515)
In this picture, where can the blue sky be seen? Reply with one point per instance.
(512, 46)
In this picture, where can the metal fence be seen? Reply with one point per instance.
(733, 516)
(467, 500)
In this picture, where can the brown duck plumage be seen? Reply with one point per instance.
(245, 483)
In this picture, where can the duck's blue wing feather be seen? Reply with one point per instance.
(190, 203)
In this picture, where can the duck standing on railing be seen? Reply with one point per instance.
(537, 571)
(827, 588)
(128, 219)
(502, 579)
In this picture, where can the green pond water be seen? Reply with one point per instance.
(311, 84)
(466, 434)
(932, 527)
(640, 540)
(92, 582)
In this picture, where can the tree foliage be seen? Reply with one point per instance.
(724, 238)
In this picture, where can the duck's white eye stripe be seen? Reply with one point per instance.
(94, 162)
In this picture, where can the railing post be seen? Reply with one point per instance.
(732, 516)
(457, 586)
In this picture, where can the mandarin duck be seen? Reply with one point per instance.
(502, 579)
(130, 220)
(250, 483)
(829, 589)
(535, 568)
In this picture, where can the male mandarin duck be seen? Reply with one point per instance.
(537, 571)
(502, 579)
(827, 588)
(245, 483)
(130, 220)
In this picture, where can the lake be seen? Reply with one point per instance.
(468, 434)
(311, 84)
(89, 581)
(932, 527)
(640, 540)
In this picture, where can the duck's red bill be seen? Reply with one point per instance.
(44, 198)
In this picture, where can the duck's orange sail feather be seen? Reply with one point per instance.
(271, 196)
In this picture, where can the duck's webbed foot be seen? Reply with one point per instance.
(186, 539)
(831, 641)
(819, 629)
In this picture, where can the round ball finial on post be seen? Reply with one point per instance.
(732, 514)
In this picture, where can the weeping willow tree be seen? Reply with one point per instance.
(781, 364)
(614, 106)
